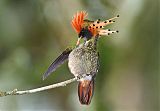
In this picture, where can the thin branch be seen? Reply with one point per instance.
(16, 92)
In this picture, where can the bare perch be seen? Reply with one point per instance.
(16, 92)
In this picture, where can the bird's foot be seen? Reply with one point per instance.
(81, 76)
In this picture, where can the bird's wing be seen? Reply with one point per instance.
(60, 60)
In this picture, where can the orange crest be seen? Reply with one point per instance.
(77, 20)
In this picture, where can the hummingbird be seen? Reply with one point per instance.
(88, 29)
(83, 59)
(83, 62)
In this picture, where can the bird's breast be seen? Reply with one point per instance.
(83, 60)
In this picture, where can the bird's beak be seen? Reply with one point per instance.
(78, 41)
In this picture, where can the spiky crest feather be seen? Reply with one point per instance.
(78, 20)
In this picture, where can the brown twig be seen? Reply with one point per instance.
(16, 92)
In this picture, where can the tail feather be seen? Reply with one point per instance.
(85, 91)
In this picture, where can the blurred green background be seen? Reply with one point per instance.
(34, 32)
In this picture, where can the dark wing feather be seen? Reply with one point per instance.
(60, 60)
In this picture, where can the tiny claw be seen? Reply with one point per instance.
(78, 77)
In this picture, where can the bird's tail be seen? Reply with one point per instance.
(85, 91)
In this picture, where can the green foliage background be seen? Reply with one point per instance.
(34, 32)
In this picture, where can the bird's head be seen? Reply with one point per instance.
(85, 33)
(87, 29)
